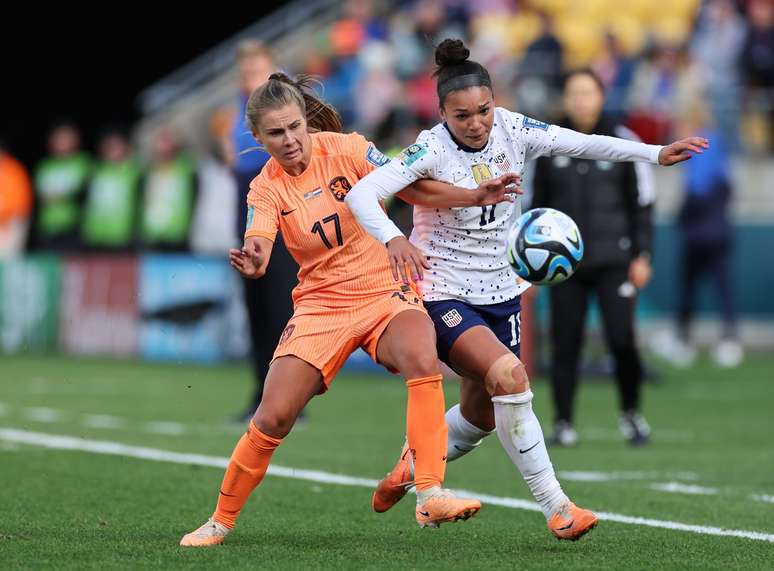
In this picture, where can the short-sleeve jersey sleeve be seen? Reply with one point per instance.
(262, 211)
(364, 154)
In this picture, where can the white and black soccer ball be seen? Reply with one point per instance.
(544, 246)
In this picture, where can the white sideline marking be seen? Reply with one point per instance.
(763, 498)
(103, 421)
(164, 427)
(42, 414)
(117, 449)
(679, 488)
(583, 476)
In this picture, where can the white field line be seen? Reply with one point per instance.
(680, 488)
(585, 476)
(165, 427)
(117, 449)
(42, 414)
(103, 421)
(763, 498)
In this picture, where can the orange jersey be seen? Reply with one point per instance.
(338, 259)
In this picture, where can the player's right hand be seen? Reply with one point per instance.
(406, 260)
(499, 189)
(248, 261)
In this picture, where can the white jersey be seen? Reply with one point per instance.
(466, 247)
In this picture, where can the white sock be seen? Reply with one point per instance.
(520, 434)
(463, 436)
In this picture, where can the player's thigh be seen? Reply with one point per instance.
(408, 345)
(290, 385)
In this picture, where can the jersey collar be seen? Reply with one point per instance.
(463, 146)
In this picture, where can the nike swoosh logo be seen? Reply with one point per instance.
(566, 527)
(227, 495)
(462, 449)
(426, 514)
(286, 212)
(528, 449)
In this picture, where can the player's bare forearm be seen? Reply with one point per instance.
(436, 194)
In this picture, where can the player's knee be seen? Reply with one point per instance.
(274, 421)
(420, 361)
(507, 376)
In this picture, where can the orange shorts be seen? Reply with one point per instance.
(325, 336)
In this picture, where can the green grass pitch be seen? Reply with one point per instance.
(66, 509)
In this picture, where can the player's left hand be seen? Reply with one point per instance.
(678, 151)
(639, 272)
(406, 260)
(496, 190)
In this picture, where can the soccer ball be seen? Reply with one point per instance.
(544, 246)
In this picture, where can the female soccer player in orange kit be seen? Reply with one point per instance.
(347, 297)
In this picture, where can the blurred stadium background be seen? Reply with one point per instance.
(79, 319)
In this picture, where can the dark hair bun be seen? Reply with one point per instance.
(451, 52)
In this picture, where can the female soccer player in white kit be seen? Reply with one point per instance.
(469, 290)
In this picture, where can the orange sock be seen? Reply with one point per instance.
(245, 471)
(426, 430)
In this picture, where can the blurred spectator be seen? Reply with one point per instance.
(268, 302)
(110, 209)
(758, 64)
(540, 73)
(60, 188)
(415, 30)
(169, 191)
(15, 205)
(543, 58)
(379, 91)
(215, 210)
(651, 94)
(717, 48)
(612, 204)
(706, 238)
(616, 71)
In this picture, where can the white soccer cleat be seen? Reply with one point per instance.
(211, 533)
(728, 354)
(564, 434)
(634, 428)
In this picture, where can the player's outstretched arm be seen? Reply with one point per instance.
(436, 194)
(253, 259)
(561, 141)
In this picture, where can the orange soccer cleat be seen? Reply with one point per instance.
(443, 506)
(394, 485)
(572, 522)
(211, 533)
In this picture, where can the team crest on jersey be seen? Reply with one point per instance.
(286, 333)
(481, 172)
(411, 154)
(376, 157)
(452, 318)
(339, 186)
(534, 124)
(501, 160)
